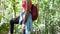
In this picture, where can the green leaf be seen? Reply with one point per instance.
(17, 2)
(1, 16)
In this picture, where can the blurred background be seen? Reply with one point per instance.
(48, 21)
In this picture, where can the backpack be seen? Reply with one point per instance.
(34, 12)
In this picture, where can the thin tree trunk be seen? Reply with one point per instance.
(14, 8)
(3, 11)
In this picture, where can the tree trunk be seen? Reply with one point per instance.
(14, 8)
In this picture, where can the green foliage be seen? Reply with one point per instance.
(4, 27)
(50, 18)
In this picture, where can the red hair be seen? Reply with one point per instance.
(24, 5)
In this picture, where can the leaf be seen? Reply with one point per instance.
(1, 16)
(15, 3)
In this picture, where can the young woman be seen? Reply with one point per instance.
(25, 18)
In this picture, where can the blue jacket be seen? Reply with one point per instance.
(28, 22)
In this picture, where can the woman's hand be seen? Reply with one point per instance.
(23, 26)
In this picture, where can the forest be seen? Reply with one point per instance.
(48, 21)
